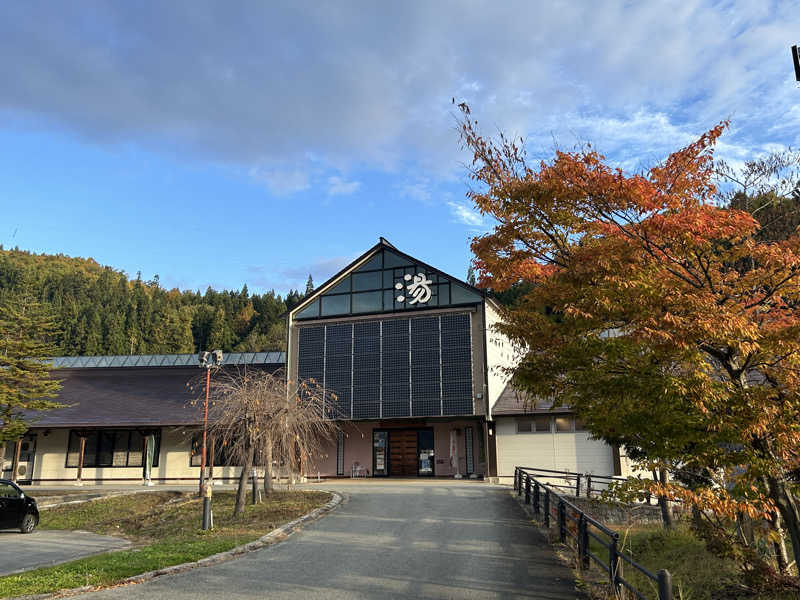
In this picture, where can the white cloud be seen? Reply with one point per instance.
(282, 182)
(361, 85)
(466, 214)
(337, 186)
(419, 189)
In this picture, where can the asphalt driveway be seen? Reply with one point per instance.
(42, 548)
(403, 539)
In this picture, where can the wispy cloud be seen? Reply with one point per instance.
(418, 189)
(466, 215)
(282, 182)
(337, 186)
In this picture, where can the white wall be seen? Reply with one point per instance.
(563, 451)
(499, 353)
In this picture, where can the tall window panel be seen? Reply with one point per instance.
(456, 365)
(311, 354)
(425, 367)
(395, 360)
(367, 370)
(338, 368)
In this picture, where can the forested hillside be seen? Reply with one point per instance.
(99, 310)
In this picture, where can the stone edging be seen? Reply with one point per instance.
(274, 536)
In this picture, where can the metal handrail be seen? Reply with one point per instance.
(587, 527)
(583, 481)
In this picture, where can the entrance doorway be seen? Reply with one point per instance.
(402, 452)
(410, 452)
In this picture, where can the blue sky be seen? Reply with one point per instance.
(217, 143)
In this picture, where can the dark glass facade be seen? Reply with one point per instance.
(393, 367)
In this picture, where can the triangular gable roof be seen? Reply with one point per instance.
(365, 260)
(513, 401)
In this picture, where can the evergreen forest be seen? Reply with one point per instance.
(98, 310)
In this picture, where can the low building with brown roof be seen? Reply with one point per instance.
(120, 415)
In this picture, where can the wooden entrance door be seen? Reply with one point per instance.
(402, 452)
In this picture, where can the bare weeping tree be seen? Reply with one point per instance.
(260, 417)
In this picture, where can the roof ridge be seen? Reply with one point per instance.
(183, 359)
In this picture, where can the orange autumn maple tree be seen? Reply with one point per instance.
(656, 314)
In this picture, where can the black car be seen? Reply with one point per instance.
(17, 509)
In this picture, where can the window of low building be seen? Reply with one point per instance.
(538, 424)
(543, 424)
(111, 448)
(579, 425)
(563, 424)
(223, 456)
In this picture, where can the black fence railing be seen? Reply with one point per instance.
(573, 484)
(577, 529)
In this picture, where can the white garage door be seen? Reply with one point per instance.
(561, 447)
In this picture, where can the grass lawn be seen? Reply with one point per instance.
(696, 573)
(165, 530)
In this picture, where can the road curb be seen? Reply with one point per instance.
(276, 535)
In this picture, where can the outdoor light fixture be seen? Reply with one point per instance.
(206, 360)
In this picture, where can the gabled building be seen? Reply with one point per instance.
(403, 346)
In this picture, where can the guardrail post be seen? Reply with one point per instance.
(588, 486)
(583, 542)
(547, 508)
(562, 520)
(578, 486)
(528, 489)
(516, 478)
(614, 566)
(664, 585)
(536, 497)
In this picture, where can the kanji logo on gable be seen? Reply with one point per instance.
(419, 289)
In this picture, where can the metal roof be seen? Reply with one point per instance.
(164, 360)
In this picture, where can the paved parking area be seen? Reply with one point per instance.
(389, 539)
(42, 548)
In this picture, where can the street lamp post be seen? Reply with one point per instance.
(207, 360)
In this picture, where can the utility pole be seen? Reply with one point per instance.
(207, 360)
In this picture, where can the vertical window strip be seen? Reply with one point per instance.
(441, 387)
(471, 364)
(352, 364)
(380, 373)
(340, 454)
(324, 368)
(410, 390)
(469, 448)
